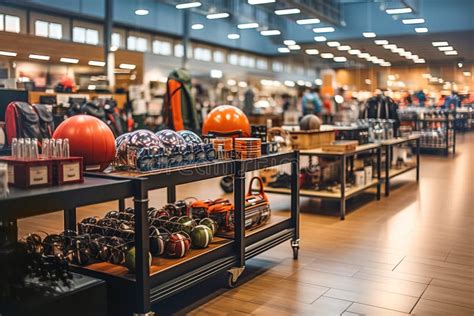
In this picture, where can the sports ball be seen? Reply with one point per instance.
(201, 236)
(185, 224)
(170, 139)
(177, 245)
(210, 223)
(121, 149)
(310, 122)
(89, 138)
(158, 237)
(190, 138)
(226, 119)
(130, 260)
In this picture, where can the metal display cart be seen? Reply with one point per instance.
(227, 252)
(388, 152)
(344, 193)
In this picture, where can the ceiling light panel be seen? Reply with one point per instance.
(354, 52)
(283, 50)
(197, 26)
(413, 21)
(421, 30)
(381, 42)
(289, 42)
(399, 11)
(308, 21)
(312, 51)
(69, 60)
(294, 47)
(270, 32)
(320, 38)
(244, 26)
(9, 54)
(369, 34)
(333, 44)
(437, 44)
(39, 57)
(445, 48)
(327, 55)
(215, 16)
(340, 59)
(254, 2)
(344, 48)
(451, 53)
(287, 11)
(188, 5)
(328, 29)
(233, 36)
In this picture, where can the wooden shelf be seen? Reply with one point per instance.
(274, 220)
(395, 172)
(159, 264)
(324, 194)
(359, 149)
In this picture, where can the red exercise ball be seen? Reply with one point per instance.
(90, 138)
(226, 119)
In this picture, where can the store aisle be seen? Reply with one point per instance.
(410, 253)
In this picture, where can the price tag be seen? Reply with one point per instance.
(71, 172)
(38, 175)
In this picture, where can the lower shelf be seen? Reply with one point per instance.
(325, 194)
(393, 172)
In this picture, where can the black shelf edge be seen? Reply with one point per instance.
(268, 243)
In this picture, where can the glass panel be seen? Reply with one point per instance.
(79, 34)
(233, 59)
(115, 40)
(219, 57)
(131, 43)
(41, 28)
(142, 44)
(251, 62)
(92, 36)
(178, 50)
(55, 30)
(12, 24)
(277, 66)
(1, 22)
(262, 64)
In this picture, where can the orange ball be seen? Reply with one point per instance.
(226, 119)
(89, 138)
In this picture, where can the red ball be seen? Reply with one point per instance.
(89, 138)
(226, 119)
(177, 245)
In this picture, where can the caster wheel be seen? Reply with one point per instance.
(295, 252)
(230, 281)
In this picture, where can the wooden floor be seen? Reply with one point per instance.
(411, 253)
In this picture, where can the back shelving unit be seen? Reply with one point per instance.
(165, 277)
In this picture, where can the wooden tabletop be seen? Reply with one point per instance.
(359, 149)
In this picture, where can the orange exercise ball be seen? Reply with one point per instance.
(89, 138)
(226, 119)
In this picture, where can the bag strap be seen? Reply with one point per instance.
(261, 191)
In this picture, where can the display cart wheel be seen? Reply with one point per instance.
(233, 275)
(295, 245)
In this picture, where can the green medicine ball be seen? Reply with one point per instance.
(211, 224)
(184, 224)
(201, 236)
(130, 260)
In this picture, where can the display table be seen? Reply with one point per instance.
(388, 151)
(344, 193)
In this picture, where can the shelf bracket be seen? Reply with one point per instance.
(236, 272)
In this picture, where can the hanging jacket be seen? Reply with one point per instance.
(381, 107)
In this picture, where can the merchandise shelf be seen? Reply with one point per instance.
(388, 152)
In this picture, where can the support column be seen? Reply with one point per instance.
(186, 27)
(109, 57)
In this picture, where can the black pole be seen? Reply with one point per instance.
(184, 60)
(108, 25)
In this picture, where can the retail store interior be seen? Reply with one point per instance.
(240, 157)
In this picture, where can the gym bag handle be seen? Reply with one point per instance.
(261, 191)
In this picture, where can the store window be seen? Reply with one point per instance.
(233, 59)
(139, 44)
(179, 51)
(277, 66)
(162, 48)
(203, 54)
(300, 71)
(262, 64)
(251, 62)
(9, 23)
(287, 68)
(219, 56)
(116, 40)
(84, 35)
(48, 29)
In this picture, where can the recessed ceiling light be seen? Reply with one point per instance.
(413, 21)
(390, 46)
(96, 63)
(294, 47)
(320, 38)
(399, 11)
(381, 42)
(215, 73)
(289, 42)
(233, 36)
(127, 66)
(253, 2)
(340, 59)
(300, 82)
(197, 26)
(451, 52)
(445, 48)
(283, 50)
(405, 54)
(142, 12)
(289, 83)
(363, 55)
(437, 44)
(69, 60)
(421, 29)
(308, 21)
(247, 26)
(413, 57)
(398, 50)
(39, 57)
(270, 32)
(231, 82)
(328, 29)
(344, 47)
(369, 34)
(467, 73)
(419, 61)
(188, 5)
(318, 82)
(312, 51)
(215, 16)
(426, 76)
(9, 54)
(287, 11)
(354, 51)
(333, 44)
(386, 64)
(327, 55)
(440, 80)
